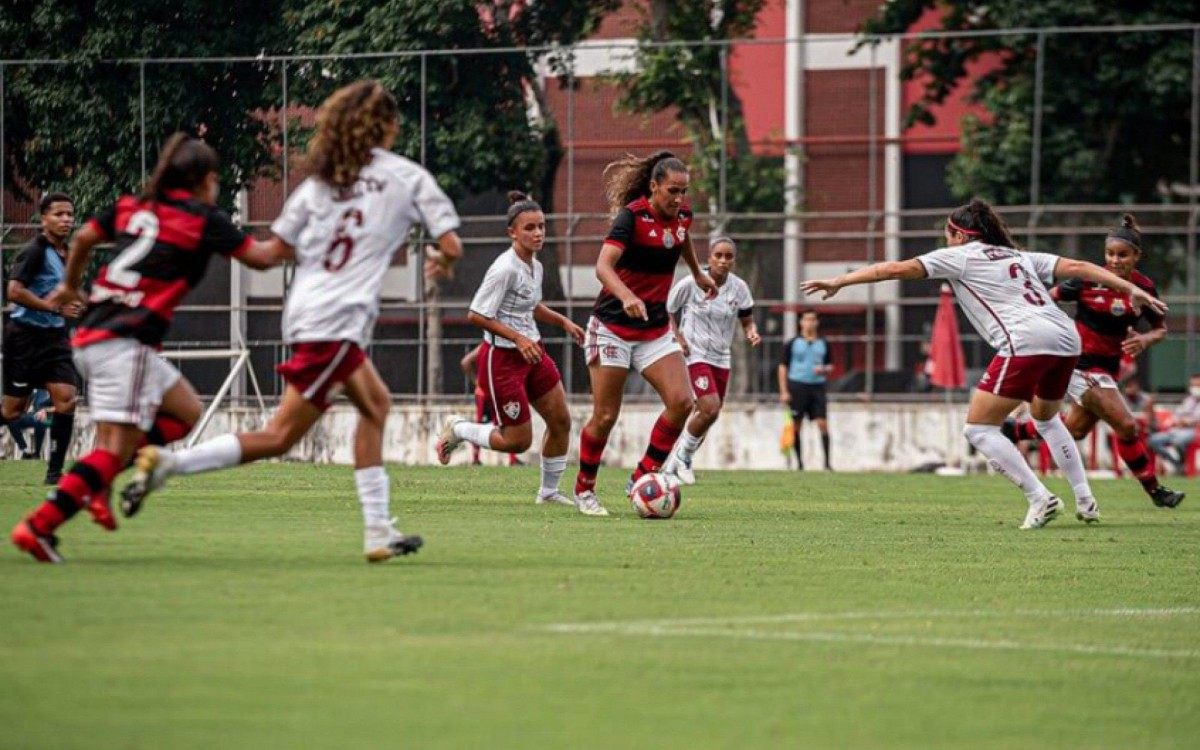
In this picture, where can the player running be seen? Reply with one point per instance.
(1003, 292)
(345, 223)
(1107, 324)
(705, 332)
(515, 370)
(163, 241)
(629, 327)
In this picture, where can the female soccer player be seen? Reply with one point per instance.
(629, 327)
(346, 222)
(163, 241)
(1107, 324)
(705, 333)
(515, 370)
(1003, 292)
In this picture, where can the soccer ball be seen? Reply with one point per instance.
(655, 496)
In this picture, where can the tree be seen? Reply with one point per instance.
(77, 126)
(689, 80)
(1116, 105)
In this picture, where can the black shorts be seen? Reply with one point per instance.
(808, 400)
(36, 356)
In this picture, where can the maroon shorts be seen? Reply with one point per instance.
(319, 368)
(509, 383)
(1045, 376)
(709, 380)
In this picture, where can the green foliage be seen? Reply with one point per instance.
(1116, 106)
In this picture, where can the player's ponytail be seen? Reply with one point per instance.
(629, 178)
(980, 222)
(1128, 231)
(352, 121)
(519, 203)
(183, 164)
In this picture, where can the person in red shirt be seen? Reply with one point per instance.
(1107, 325)
(629, 327)
(163, 240)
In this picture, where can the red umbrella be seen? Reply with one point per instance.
(946, 366)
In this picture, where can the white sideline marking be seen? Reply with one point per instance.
(696, 627)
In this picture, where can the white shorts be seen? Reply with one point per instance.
(1082, 382)
(602, 345)
(126, 381)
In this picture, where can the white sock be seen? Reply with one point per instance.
(1006, 459)
(552, 471)
(688, 443)
(1066, 454)
(475, 433)
(219, 453)
(373, 486)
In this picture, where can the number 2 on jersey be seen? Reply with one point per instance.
(1016, 270)
(144, 224)
(341, 248)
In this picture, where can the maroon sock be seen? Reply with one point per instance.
(591, 450)
(1139, 460)
(662, 440)
(92, 474)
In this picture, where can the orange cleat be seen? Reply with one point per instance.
(101, 510)
(43, 547)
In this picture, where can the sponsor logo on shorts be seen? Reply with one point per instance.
(702, 383)
(611, 351)
(512, 409)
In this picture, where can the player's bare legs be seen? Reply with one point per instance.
(707, 411)
(1062, 446)
(552, 408)
(608, 390)
(985, 414)
(669, 377)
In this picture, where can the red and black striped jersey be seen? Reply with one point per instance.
(161, 251)
(651, 248)
(1103, 318)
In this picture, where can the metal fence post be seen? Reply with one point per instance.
(722, 181)
(569, 355)
(1193, 185)
(418, 259)
(872, 208)
(142, 112)
(1035, 156)
(3, 192)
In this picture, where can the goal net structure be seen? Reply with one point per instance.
(239, 359)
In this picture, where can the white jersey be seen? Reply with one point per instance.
(345, 240)
(510, 291)
(708, 325)
(1004, 294)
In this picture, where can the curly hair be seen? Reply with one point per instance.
(628, 178)
(977, 219)
(352, 121)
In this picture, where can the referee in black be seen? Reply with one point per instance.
(37, 349)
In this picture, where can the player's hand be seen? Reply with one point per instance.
(683, 344)
(705, 282)
(826, 287)
(574, 331)
(71, 310)
(64, 295)
(1134, 343)
(1139, 298)
(635, 309)
(529, 350)
(753, 337)
(437, 267)
(785, 398)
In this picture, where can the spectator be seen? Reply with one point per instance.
(36, 418)
(1173, 444)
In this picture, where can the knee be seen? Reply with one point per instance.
(559, 424)
(708, 409)
(1126, 429)
(603, 420)
(520, 443)
(679, 405)
(1079, 433)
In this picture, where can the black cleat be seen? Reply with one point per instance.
(1165, 498)
(52, 478)
(406, 545)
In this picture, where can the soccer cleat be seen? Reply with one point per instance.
(554, 498)
(383, 541)
(1086, 510)
(52, 478)
(151, 469)
(683, 471)
(100, 509)
(589, 505)
(1165, 498)
(1042, 512)
(447, 442)
(43, 547)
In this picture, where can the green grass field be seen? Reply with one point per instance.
(777, 610)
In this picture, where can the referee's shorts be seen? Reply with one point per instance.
(34, 357)
(808, 400)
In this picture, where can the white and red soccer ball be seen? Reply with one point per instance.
(655, 496)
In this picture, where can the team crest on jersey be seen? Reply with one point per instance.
(668, 239)
(1118, 306)
(702, 383)
(512, 409)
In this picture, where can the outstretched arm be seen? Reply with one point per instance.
(1070, 268)
(876, 272)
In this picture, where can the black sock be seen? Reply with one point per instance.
(825, 447)
(797, 447)
(17, 437)
(61, 428)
